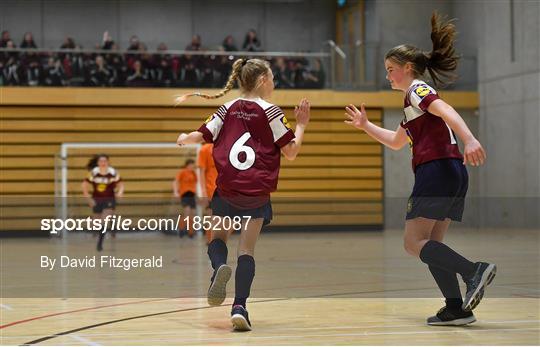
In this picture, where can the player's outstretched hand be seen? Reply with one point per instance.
(473, 153)
(181, 138)
(357, 118)
(302, 112)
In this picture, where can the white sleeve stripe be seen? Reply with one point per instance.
(276, 116)
(272, 110)
(273, 113)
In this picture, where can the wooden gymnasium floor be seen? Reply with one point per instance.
(345, 289)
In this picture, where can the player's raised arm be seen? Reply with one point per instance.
(358, 119)
(302, 114)
(193, 137)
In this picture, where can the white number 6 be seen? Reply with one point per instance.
(239, 147)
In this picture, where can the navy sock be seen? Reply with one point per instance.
(449, 286)
(438, 254)
(245, 272)
(217, 251)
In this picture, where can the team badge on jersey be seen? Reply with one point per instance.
(422, 91)
(209, 119)
(285, 122)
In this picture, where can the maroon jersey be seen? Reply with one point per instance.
(104, 185)
(247, 136)
(430, 138)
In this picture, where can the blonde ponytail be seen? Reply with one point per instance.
(236, 69)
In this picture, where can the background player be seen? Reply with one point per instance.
(185, 188)
(441, 179)
(208, 176)
(248, 135)
(107, 186)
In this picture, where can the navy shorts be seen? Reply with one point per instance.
(221, 207)
(188, 199)
(439, 190)
(103, 204)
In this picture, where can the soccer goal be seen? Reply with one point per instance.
(147, 171)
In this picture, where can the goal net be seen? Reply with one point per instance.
(147, 171)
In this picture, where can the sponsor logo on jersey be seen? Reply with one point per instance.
(209, 119)
(422, 91)
(101, 187)
(285, 122)
(409, 205)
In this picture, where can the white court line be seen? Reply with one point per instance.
(6, 307)
(324, 328)
(362, 334)
(83, 340)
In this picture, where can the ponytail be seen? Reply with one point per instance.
(441, 62)
(245, 72)
(236, 69)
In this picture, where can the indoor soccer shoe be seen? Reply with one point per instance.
(455, 317)
(240, 318)
(218, 288)
(476, 285)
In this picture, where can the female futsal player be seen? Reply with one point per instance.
(248, 134)
(107, 186)
(441, 178)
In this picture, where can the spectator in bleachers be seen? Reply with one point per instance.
(5, 38)
(314, 77)
(281, 74)
(68, 43)
(117, 64)
(251, 42)
(228, 44)
(195, 44)
(34, 73)
(13, 71)
(134, 43)
(101, 75)
(138, 76)
(28, 41)
(164, 74)
(189, 74)
(298, 69)
(223, 68)
(54, 73)
(108, 41)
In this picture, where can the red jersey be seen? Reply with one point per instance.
(104, 185)
(430, 138)
(247, 136)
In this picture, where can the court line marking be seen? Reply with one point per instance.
(462, 330)
(77, 310)
(315, 328)
(83, 340)
(45, 338)
(6, 307)
(163, 299)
